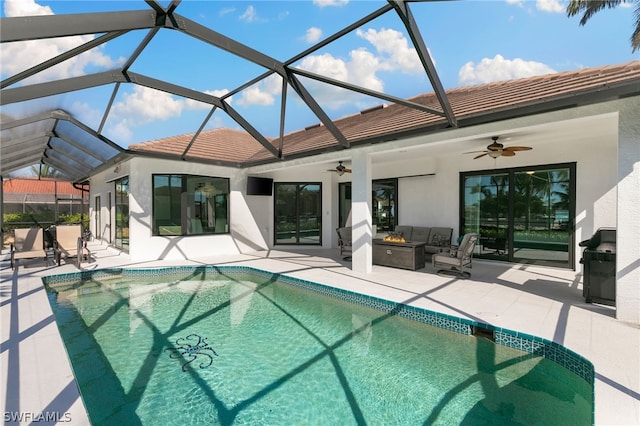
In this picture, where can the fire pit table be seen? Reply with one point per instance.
(398, 254)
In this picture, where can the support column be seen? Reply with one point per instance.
(628, 225)
(361, 212)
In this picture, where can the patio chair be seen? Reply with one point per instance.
(458, 258)
(28, 244)
(344, 242)
(70, 244)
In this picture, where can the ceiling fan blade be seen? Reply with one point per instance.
(474, 152)
(478, 156)
(518, 148)
(506, 153)
(347, 170)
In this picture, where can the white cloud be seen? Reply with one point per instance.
(394, 48)
(262, 93)
(393, 53)
(14, 59)
(226, 11)
(25, 8)
(256, 96)
(191, 104)
(144, 105)
(552, 6)
(313, 34)
(499, 69)
(360, 70)
(249, 15)
(326, 3)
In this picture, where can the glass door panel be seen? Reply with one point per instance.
(541, 216)
(384, 206)
(298, 213)
(486, 212)
(310, 216)
(122, 214)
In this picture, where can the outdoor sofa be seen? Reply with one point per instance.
(437, 239)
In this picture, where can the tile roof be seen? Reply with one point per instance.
(471, 105)
(39, 186)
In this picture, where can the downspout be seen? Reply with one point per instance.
(83, 190)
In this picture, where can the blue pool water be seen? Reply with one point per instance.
(233, 347)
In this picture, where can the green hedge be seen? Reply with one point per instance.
(44, 219)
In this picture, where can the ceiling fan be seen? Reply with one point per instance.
(340, 169)
(496, 149)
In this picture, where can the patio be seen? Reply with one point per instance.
(544, 302)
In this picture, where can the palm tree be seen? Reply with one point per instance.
(44, 170)
(591, 7)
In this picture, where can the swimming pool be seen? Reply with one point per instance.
(235, 345)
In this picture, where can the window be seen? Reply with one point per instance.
(298, 213)
(190, 205)
(523, 215)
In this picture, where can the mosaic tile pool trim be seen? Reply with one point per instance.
(524, 342)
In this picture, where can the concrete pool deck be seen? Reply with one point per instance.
(38, 383)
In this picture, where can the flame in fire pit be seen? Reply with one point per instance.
(394, 237)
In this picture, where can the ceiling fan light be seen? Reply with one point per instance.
(494, 154)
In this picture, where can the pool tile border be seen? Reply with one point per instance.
(552, 351)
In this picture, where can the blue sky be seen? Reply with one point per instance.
(471, 42)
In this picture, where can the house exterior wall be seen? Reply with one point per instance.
(428, 191)
(594, 137)
(628, 224)
(244, 233)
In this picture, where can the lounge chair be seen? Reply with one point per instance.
(70, 244)
(458, 258)
(344, 242)
(28, 244)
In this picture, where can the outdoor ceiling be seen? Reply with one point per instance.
(31, 136)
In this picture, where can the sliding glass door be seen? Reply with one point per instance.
(384, 203)
(522, 215)
(298, 213)
(122, 213)
(541, 222)
(486, 212)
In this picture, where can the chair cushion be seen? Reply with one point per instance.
(420, 234)
(29, 254)
(440, 237)
(446, 260)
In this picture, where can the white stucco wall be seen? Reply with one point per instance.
(428, 181)
(602, 139)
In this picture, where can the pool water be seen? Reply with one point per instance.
(239, 349)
